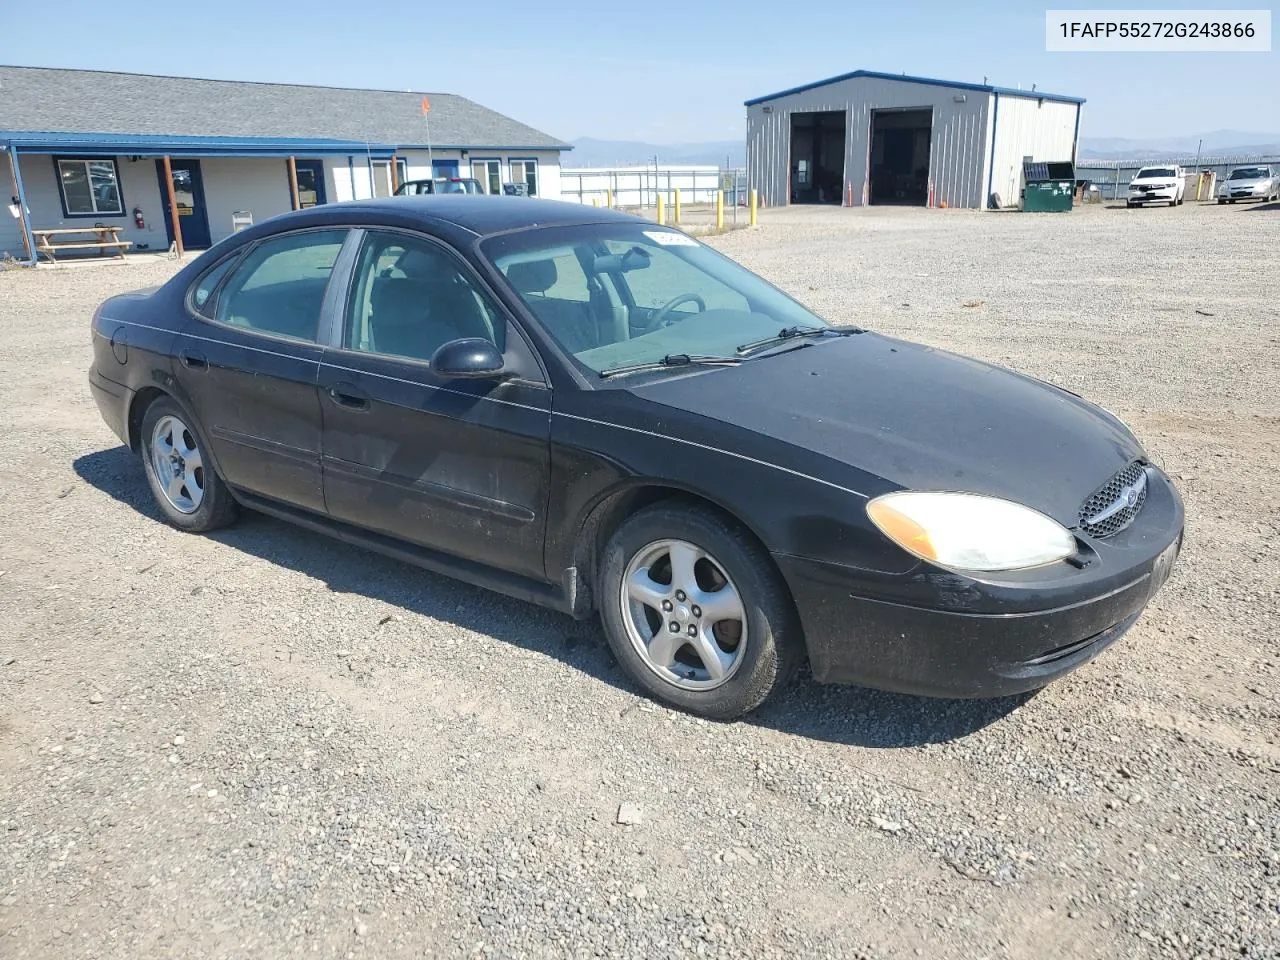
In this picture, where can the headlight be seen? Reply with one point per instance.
(969, 531)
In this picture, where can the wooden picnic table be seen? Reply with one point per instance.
(104, 238)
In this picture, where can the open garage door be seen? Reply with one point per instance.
(817, 157)
(900, 145)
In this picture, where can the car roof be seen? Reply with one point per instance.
(483, 215)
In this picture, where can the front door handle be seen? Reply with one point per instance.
(349, 396)
(192, 360)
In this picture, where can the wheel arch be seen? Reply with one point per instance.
(138, 406)
(613, 507)
(141, 403)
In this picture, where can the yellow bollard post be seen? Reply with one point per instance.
(751, 209)
(595, 201)
(676, 219)
(662, 213)
(719, 210)
(608, 198)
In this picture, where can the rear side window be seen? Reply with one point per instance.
(278, 287)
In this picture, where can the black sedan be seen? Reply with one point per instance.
(605, 416)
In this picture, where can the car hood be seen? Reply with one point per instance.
(1251, 184)
(917, 418)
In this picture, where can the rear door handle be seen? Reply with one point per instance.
(349, 396)
(192, 360)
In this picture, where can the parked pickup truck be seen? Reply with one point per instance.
(439, 185)
(1165, 184)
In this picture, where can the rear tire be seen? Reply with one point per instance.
(696, 613)
(182, 478)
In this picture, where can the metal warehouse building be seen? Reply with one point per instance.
(867, 138)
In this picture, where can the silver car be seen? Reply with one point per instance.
(1255, 182)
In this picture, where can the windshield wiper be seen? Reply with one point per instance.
(670, 360)
(791, 333)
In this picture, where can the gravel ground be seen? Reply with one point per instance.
(266, 744)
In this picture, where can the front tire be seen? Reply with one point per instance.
(183, 480)
(696, 613)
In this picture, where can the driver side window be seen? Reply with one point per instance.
(409, 297)
(652, 287)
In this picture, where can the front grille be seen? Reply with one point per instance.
(1112, 507)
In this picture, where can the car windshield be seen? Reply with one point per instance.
(618, 294)
(1156, 173)
(457, 186)
(1249, 173)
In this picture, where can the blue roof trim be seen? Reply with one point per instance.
(472, 147)
(927, 81)
(156, 145)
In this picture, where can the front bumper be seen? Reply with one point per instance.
(937, 633)
(1154, 196)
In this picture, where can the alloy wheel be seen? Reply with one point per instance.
(683, 615)
(178, 464)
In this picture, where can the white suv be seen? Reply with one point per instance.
(1158, 185)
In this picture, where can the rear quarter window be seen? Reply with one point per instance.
(204, 289)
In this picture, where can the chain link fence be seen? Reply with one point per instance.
(1112, 177)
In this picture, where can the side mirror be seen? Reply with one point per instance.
(472, 357)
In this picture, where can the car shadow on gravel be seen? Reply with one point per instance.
(875, 718)
(850, 715)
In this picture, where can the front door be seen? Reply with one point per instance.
(188, 191)
(310, 183)
(459, 466)
(444, 168)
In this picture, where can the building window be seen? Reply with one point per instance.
(90, 187)
(489, 173)
(526, 172)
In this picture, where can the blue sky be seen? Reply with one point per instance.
(658, 70)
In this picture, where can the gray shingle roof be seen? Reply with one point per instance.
(89, 101)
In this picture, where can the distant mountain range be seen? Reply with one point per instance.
(592, 152)
(1219, 143)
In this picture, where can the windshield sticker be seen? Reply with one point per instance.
(669, 238)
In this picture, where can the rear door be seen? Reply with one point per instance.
(248, 363)
(460, 466)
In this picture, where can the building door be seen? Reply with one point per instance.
(310, 182)
(444, 168)
(900, 156)
(188, 191)
(817, 157)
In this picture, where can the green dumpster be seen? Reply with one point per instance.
(1048, 187)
